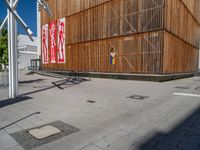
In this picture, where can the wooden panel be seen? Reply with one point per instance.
(180, 22)
(53, 6)
(151, 15)
(140, 53)
(152, 51)
(194, 7)
(116, 18)
(179, 57)
(70, 7)
(62, 8)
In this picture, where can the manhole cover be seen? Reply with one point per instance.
(182, 87)
(31, 138)
(44, 132)
(138, 97)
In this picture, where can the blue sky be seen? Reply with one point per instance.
(27, 10)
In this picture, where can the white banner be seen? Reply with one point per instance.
(53, 46)
(45, 53)
(61, 41)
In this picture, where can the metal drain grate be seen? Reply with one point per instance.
(91, 101)
(138, 97)
(27, 141)
(182, 87)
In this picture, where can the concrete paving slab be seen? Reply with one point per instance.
(7, 142)
(13, 129)
(16, 148)
(44, 132)
(92, 147)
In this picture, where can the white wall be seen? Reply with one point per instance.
(25, 58)
(23, 40)
(27, 50)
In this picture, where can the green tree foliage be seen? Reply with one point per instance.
(3, 48)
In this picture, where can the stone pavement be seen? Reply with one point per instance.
(163, 121)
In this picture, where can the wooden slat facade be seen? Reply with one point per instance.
(114, 19)
(193, 6)
(180, 22)
(149, 36)
(179, 56)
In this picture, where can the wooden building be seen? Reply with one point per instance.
(144, 36)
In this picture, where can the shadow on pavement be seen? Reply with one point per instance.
(31, 81)
(185, 136)
(36, 113)
(60, 84)
(7, 102)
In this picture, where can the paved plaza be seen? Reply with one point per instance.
(108, 114)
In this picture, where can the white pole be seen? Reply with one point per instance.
(38, 30)
(15, 59)
(9, 57)
(12, 41)
(13, 69)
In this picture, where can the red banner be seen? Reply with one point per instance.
(53, 47)
(45, 44)
(61, 40)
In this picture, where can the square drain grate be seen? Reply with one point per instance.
(28, 142)
(138, 97)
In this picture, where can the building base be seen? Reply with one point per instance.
(121, 76)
